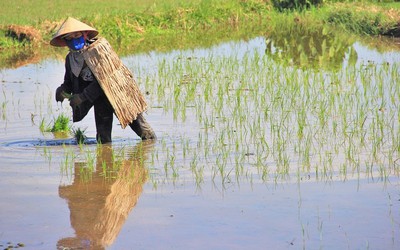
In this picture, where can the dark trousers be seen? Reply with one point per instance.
(103, 114)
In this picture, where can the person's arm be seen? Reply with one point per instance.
(65, 89)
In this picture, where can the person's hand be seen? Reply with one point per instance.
(75, 100)
(60, 94)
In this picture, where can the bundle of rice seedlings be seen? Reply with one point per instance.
(60, 124)
(80, 135)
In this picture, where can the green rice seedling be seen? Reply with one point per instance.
(4, 106)
(85, 173)
(104, 169)
(79, 135)
(199, 176)
(90, 160)
(47, 154)
(4, 110)
(88, 167)
(42, 126)
(175, 171)
(49, 100)
(194, 162)
(60, 124)
(117, 158)
(68, 162)
(295, 121)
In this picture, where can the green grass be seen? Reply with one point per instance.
(158, 26)
(26, 12)
(363, 18)
(124, 19)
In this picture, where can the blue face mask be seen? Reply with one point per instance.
(76, 43)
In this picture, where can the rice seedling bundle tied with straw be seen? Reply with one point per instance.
(116, 80)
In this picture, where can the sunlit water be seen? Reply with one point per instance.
(182, 195)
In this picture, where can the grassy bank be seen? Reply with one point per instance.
(119, 21)
(27, 12)
(141, 26)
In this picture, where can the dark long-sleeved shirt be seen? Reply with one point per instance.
(90, 91)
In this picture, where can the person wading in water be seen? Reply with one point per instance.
(82, 88)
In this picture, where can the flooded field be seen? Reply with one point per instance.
(259, 147)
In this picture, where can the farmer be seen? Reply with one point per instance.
(81, 87)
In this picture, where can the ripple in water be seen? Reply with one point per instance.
(47, 143)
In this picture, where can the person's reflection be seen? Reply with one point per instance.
(100, 206)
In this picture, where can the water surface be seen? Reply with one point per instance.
(208, 181)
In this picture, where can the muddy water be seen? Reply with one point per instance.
(128, 195)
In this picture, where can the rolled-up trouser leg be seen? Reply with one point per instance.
(103, 114)
(142, 128)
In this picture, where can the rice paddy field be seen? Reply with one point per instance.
(258, 148)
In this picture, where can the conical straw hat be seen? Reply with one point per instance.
(71, 25)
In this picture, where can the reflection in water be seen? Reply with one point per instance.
(100, 206)
(15, 59)
(311, 48)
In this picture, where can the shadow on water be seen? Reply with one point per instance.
(100, 204)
